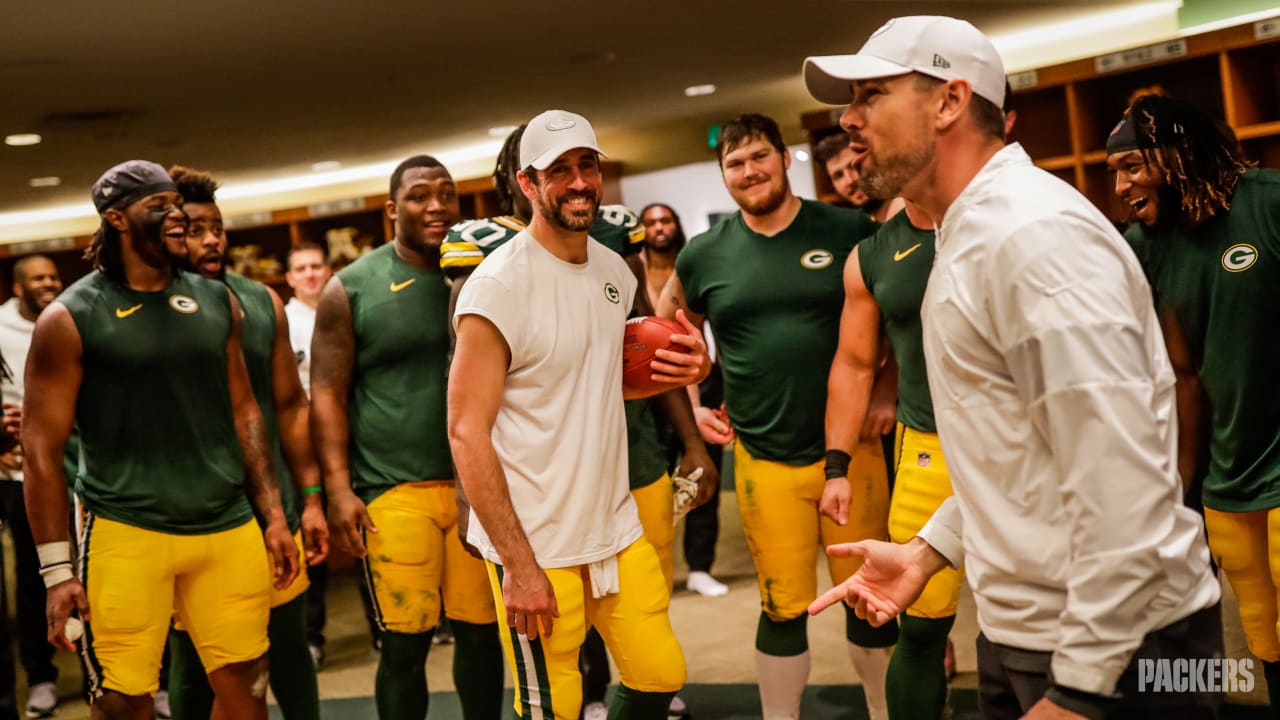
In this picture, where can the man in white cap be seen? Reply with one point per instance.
(1053, 396)
(539, 439)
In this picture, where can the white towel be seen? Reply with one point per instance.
(604, 577)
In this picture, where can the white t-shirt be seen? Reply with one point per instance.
(302, 323)
(561, 432)
(15, 341)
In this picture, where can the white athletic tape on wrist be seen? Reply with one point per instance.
(685, 491)
(55, 562)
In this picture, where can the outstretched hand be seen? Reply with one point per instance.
(892, 576)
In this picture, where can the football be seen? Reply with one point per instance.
(642, 339)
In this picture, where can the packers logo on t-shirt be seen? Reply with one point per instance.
(1239, 257)
(183, 304)
(816, 259)
(611, 293)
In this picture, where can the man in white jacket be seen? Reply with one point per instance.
(1053, 396)
(35, 284)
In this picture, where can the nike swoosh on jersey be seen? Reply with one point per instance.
(126, 313)
(899, 255)
(397, 287)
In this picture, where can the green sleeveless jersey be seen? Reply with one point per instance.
(158, 442)
(257, 338)
(471, 241)
(1222, 282)
(895, 266)
(396, 406)
(774, 305)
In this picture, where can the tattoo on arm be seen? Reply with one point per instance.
(332, 369)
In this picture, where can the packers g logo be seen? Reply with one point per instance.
(816, 259)
(611, 293)
(183, 304)
(1239, 257)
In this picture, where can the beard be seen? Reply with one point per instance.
(885, 180)
(768, 203)
(1169, 213)
(573, 220)
(149, 242)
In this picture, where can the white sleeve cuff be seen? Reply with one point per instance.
(945, 532)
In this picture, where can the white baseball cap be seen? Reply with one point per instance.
(940, 47)
(552, 134)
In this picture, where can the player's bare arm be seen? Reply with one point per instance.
(293, 414)
(459, 495)
(642, 304)
(678, 408)
(882, 412)
(260, 478)
(1191, 417)
(475, 396)
(333, 359)
(853, 372)
(53, 380)
(672, 306)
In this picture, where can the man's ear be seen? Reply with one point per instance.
(116, 219)
(953, 99)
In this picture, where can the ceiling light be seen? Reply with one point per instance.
(46, 181)
(802, 156)
(502, 130)
(697, 90)
(22, 139)
(325, 166)
(1084, 26)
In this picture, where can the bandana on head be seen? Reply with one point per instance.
(1124, 137)
(129, 182)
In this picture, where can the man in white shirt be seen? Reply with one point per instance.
(539, 440)
(307, 273)
(1053, 395)
(35, 284)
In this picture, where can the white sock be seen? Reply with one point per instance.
(782, 681)
(871, 665)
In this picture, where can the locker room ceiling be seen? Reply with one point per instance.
(255, 90)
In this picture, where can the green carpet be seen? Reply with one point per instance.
(727, 702)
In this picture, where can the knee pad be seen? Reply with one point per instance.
(782, 638)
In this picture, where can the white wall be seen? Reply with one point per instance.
(696, 190)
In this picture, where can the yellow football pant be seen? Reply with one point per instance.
(415, 558)
(218, 585)
(921, 483)
(1247, 548)
(785, 531)
(633, 622)
(655, 502)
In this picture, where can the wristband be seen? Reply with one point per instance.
(313, 489)
(837, 465)
(55, 562)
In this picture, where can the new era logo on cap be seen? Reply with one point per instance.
(940, 62)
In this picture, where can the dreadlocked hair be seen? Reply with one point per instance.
(505, 169)
(104, 252)
(1201, 156)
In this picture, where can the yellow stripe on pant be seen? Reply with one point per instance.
(633, 622)
(1247, 548)
(416, 557)
(921, 483)
(785, 531)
